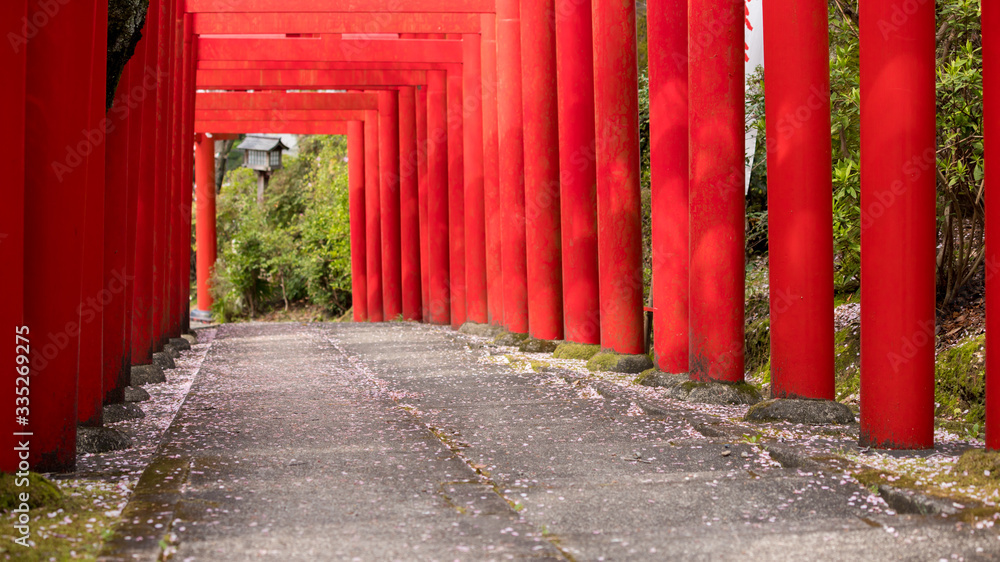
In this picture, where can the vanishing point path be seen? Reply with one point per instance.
(398, 442)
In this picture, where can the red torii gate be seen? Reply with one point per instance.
(64, 210)
(443, 53)
(346, 114)
(390, 224)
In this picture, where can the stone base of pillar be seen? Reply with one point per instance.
(617, 363)
(146, 374)
(94, 440)
(509, 339)
(163, 360)
(136, 394)
(580, 351)
(681, 387)
(114, 413)
(812, 412)
(532, 345)
(180, 344)
(482, 330)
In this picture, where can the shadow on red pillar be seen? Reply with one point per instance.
(619, 226)
(991, 132)
(175, 212)
(94, 296)
(422, 200)
(511, 129)
(668, 131)
(373, 220)
(162, 187)
(356, 203)
(437, 198)
(142, 296)
(180, 233)
(456, 196)
(205, 235)
(491, 172)
(409, 205)
(898, 227)
(716, 191)
(55, 198)
(138, 95)
(474, 207)
(388, 150)
(800, 233)
(189, 92)
(541, 169)
(12, 112)
(115, 377)
(577, 153)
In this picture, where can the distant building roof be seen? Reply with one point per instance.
(266, 144)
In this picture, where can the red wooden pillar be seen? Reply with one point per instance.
(187, 166)
(58, 60)
(616, 99)
(138, 97)
(668, 131)
(475, 209)
(800, 233)
(991, 132)
(388, 150)
(491, 171)
(94, 296)
(898, 228)
(115, 370)
(511, 128)
(175, 213)
(12, 241)
(439, 304)
(577, 153)
(205, 235)
(356, 203)
(142, 297)
(716, 189)
(179, 213)
(422, 199)
(409, 204)
(161, 188)
(168, 163)
(456, 195)
(169, 203)
(373, 220)
(180, 287)
(541, 169)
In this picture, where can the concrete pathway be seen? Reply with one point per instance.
(396, 442)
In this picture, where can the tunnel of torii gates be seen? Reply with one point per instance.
(494, 178)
